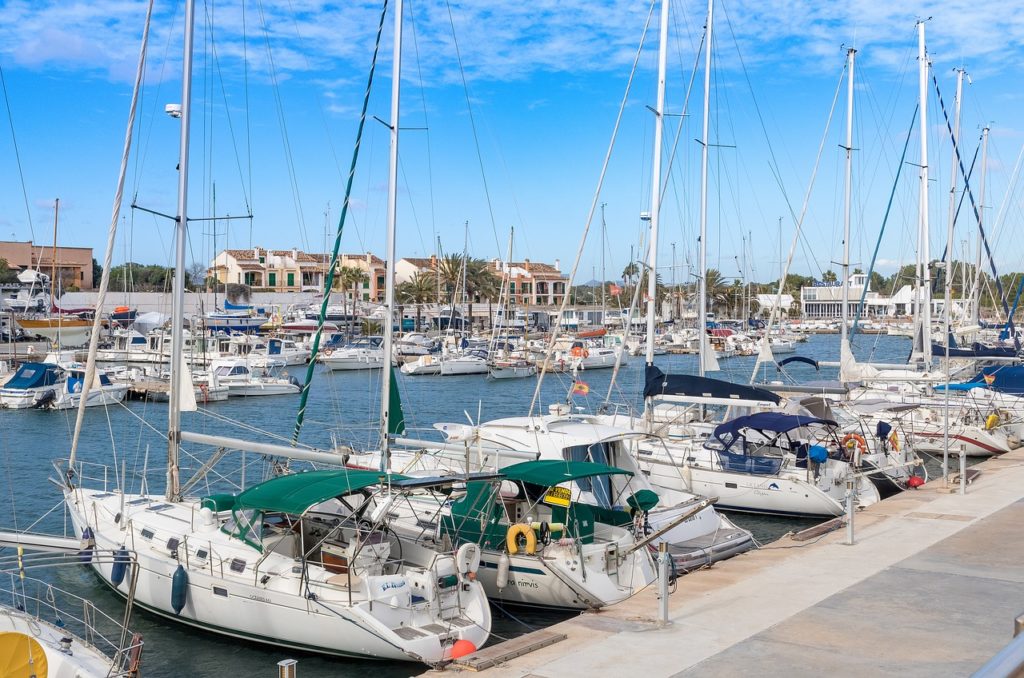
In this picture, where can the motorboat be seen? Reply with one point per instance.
(428, 364)
(366, 353)
(468, 362)
(69, 395)
(33, 385)
(511, 368)
(244, 380)
(275, 350)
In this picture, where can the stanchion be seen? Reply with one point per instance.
(663, 556)
(849, 510)
(963, 469)
(287, 668)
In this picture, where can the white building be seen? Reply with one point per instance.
(825, 300)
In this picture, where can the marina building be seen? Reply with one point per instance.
(533, 283)
(825, 300)
(74, 264)
(296, 271)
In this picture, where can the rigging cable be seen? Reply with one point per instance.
(328, 284)
(472, 124)
(590, 216)
(17, 155)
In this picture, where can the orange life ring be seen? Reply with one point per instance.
(577, 351)
(862, 444)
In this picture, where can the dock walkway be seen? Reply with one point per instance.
(930, 588)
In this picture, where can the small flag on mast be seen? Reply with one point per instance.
(990, 379)
(580, 388)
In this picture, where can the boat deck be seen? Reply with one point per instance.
(930, 588)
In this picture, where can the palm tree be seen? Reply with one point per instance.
(419, 289)
(717, 290)
(630, 273)
(348, 280)
(481, 282)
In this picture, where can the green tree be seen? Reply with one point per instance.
(6, 274)
(481, 283)
(419, 289)
(97, 272)
(630, 273)
(829, 276)
(348, 279)
(717, 288)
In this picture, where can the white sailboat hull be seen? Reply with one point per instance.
(367, 620)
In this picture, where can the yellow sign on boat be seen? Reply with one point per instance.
(558, 496)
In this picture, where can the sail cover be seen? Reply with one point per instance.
(657, 383)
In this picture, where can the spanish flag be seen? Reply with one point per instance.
(990, 379)
(580, 388)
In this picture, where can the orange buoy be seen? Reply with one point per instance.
(461, 648)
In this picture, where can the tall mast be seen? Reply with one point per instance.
(659, 118)
(604, 277)
(924, 272)
(389, 271)
(178, 292)
(948, 268)
(702, 293)
(981, 216)
(847, 196)
(53, 269)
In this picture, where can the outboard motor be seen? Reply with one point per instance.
(45, 399)
(294, 380)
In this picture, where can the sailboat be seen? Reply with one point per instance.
(302, 560)
(62, 331)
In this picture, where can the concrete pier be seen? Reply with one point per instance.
(931, 588)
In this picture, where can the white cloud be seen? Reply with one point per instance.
(505, 39)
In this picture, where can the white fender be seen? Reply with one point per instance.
(503, 567)
(468, 558)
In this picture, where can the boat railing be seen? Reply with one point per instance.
(43, 601)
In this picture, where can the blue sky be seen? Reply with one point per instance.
(544, 82)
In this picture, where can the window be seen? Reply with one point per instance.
(273, 280)
(366, 284)
(291, 280)
(263, 260)
(380, 281)
(599, 485)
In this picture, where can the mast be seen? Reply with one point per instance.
(178, 292)
(981, 216)
(53, 273)
(847, 197)
(923, 270)
(604, 277)
(702, 293)
(659, 118)
(948, 292)
(389, 272)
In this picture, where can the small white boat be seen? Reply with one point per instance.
(363, 354)
(31, 384)
(511, 368)
(467, 363)
(104, 392)
(242, 380)
(275, 351)
(424, 365)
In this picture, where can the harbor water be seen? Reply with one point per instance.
(343, 409)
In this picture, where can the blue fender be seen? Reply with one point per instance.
(120, 567)
(179, 589)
